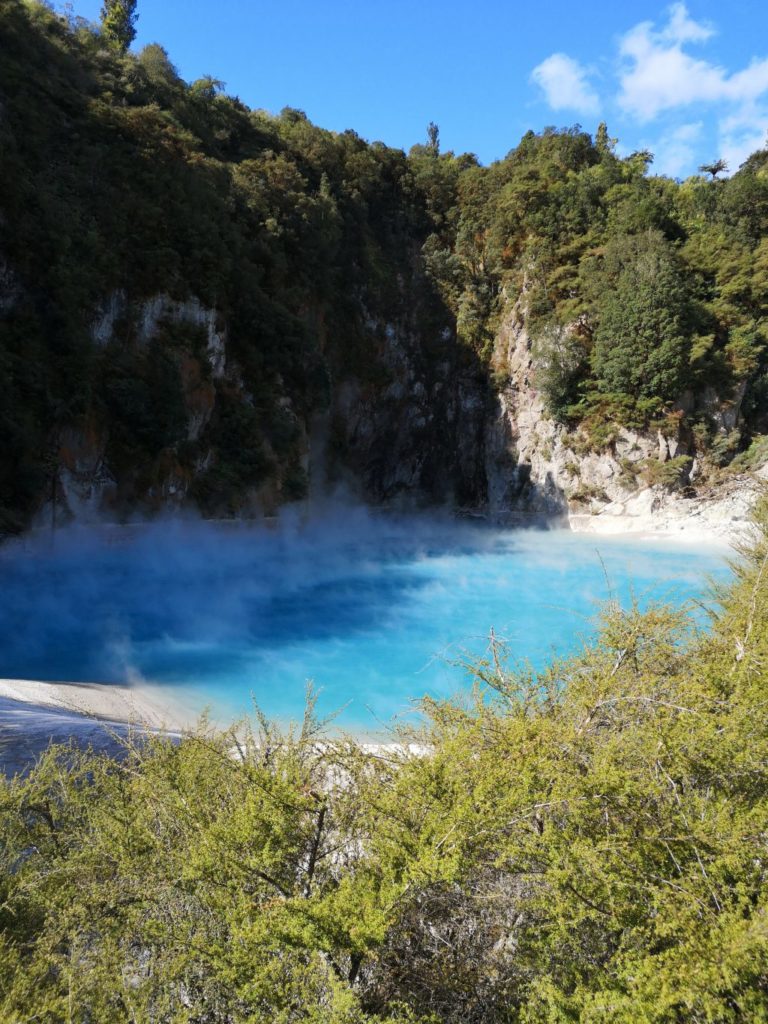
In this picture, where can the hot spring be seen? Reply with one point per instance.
(375, 611)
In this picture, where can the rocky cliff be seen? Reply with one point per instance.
(407, 432)
(634, 481)
(424, 426)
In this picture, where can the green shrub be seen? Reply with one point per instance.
(755, 457)
(665, 474)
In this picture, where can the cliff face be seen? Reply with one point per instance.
(652, 480)
(88, 484)
(409, 431)
(416, 435)
(424, 426)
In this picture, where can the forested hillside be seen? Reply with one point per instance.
(121, 182)
(202, 303)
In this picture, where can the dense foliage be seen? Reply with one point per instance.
(645, 297)
(585, 844)
(122, 181)
(636, 287)
(118, 22)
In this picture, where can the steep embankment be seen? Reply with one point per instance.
(635, 481)
(206, 305)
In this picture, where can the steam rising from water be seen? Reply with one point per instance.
(374, 610)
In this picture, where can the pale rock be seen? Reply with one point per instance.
(161, 307)
(725, 415)
(107, 313)
(148, 315)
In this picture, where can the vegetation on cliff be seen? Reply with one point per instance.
(636, 287)
(646, 297)
(588, 844)
(122, 179)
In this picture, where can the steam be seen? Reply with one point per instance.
(373, 608)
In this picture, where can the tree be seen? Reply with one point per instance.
(157, 65)
(604, 144)
(433, 138)
(118, 23)
(207, 87)
(639, 162)
(715, 168)
(643, 337)
(560, 356)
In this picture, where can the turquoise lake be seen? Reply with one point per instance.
(376, 611)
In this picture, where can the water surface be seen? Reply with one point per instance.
(375, 611)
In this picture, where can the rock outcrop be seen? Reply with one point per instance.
(405, 429)
(537, 465)
(415, 435)
(424, 425)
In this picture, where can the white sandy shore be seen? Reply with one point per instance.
(685, 534)
(108, 702)
(35, 714)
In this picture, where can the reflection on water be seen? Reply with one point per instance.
(374, 610)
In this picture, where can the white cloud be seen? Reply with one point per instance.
(675, 151)
(742, 133)
(697, 108)
(565, 84)
(681, 28)
(659, 76)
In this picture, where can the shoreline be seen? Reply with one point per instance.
(725, 518)
(34, 712)
(119, 703)
(680, 531)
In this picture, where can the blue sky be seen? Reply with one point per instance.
(689, 82)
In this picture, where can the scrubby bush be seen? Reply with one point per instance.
(665, 474)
